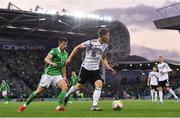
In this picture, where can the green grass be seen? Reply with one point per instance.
(135, 108)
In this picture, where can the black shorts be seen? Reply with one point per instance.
(89, 76)
(164, 83)
(154, 87)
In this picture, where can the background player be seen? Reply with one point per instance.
(164, 69)
(153, 82)
(73, 81)
(4, 88)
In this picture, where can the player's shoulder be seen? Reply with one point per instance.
(165, 63)
(93, 40)
(54, 49)
(158, 65)
(150, 72)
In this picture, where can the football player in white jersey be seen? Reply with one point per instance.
(153, 82)
(164, 69)
(90, 71)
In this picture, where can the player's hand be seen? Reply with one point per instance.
(161, 72)
(68, 61)
(54, 64)
(113, 71)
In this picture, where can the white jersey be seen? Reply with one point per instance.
(163, 67)
(153, 76)
(94, 52)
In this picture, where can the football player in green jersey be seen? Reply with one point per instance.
(4, 88)
(73, 81)
(54, 74)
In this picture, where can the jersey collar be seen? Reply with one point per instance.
(60, 50)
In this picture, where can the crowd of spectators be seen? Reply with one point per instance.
(22, 69)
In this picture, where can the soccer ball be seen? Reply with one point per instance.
(117, 105)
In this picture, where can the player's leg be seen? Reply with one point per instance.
(71, 91)
(44, 83)
(63, 86)
(33, 95)
(71, 97)
(78, 93)
(83, 77)
(152, 94)
(173, 93)
(160, 89)
(4, 94)
(96, 95)
(160, 94)
(155, 92)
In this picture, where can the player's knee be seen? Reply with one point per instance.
(65, 88)
(39, 90)
(160, 88)
(78, 86)
(98, 84)
(167, 88)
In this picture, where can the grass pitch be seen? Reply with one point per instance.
(132, 108)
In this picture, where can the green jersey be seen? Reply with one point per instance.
(4, 86)
(74, 80)
(59, 58)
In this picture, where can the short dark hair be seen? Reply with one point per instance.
(102, 31)
(62, 39)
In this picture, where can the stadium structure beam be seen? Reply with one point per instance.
(34, 29)
(11, 7)
(11, 21)
(164, 11)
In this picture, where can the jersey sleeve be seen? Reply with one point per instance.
(157, 74)
(52, 52)
(167, 68)
(86, 43)
(149, 75)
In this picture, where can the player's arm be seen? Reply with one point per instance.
(48, 60)
(168, 69)
(64, 72)
(73, 53)
(106, 64)
(148, 81)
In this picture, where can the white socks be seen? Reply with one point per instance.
(71, 90)
(96, 96)
(161, 96)
(154, 95)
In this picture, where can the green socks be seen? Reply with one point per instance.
(6, 98)
(30, 99)
(61, 97)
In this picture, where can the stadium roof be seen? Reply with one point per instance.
(27, 26)
(172, 23)
(143, 64)
(170, 17)
(19, 24)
